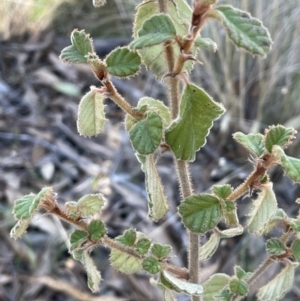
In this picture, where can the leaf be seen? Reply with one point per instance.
(291, 166)
(187, 134)
(200, 213)
(224, 295)
(230, 213)
(142, 246)
(278, 135)
(179, 285)
(77, 238)
(207, 250)
(20, 228)
(244, 30)
(124, 262)
(295, 225)
(277, 217)
(241, 274)
(222, 191)
(214, 285)
(252, 142)
(238, 287)
(91, 116)
(93, 275)
(151, 265)
(128, 238)
(206, 43)
(275, 246)
(154, 57)
(157, 202)
(122, 62)
(295, 247)
(82, 44)
(263, 208)
(231, 232)
(96, 230)
(146, 134)
(278, 286)
(160, 251)
(91, 204)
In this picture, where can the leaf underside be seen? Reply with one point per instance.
(253, 142)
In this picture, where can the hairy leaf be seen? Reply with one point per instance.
(20, 228)
(206, 43)
(231, 232)
(96, 230)
(200, 213)
(263, 208)
(142, 246)
(91, 116)
(238, 287)
(122, 62)
(224, 295)
(241, 274)
(244, 30)
(207, 250)
(128, 238)
(230, 213)
(157, 202)
(90, 204)
(160, 251)
(124, 262)
(77, 238)
(253, 142)
(275, 246)
(151, 265)
(214, 285)
(295, 247)
(93, 275)
(222, 191)
(187, 134)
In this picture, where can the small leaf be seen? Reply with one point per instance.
(93, 275)
(22, 206)
(295, 225)
(231, 232)
(238, 287)
(200, 213)
(124, 262)
(96, 230)
(160, 251)
(241, 274)
(151, 265)
(20, 228)
(77, 238)
(91, 116)
(78, 254)
(142, 246)
(122, 62)
(146, 134)
(82, 44)
(156, 30)
(295, 247)
(187, 134)
(206, 43)
(128, 238)
(222, 191)
(209, 248)
(230, 214)
(91, 204)
(263, 208)
(291, 166)
(275, 246)
(278, 286)
(214, 285)
(252, 142)
(225, 295)
(277, 217)
(157, 202)
(244, 30)
(278, 135)
(179, 285)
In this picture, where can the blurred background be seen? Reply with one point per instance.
(40, 146)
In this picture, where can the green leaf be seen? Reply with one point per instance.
(156, 30)
(77, 238)
(291, 166)
(179, 285)
(125, 263)
(93, 275)
(244, 30)
(200, 213)
(91, 116)
(160, 251)
(142, 246)
(157, 202)
(128, 238)
(230, 213)
(222, 191)
(278, 286)
(207, 250)
(154, 57)
(295, 225)
(206, 43)
(252, 142)
(82, 44)
(214, 285)
(187, 134)
(96, 230)
(90, 204)
(122, 62)
(224, 295)
(78, 254)
(295, 247)
(263, 208)
(238, 287)
(151, 265)
(146, 134)
(278, 135)
(20, 228)
(241, 274)
(275, 246)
